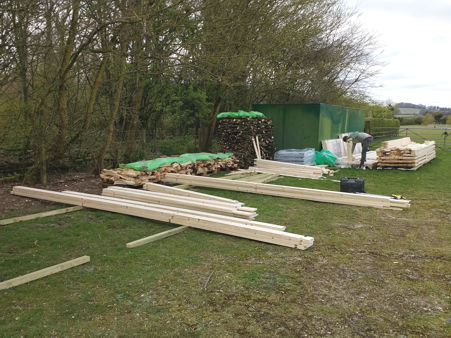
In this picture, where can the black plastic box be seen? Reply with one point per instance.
(352, 185)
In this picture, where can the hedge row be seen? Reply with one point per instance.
(382, 127)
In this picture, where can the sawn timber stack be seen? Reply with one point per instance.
(289, 169)
(405, 154)
(367, 200)
(179, 216)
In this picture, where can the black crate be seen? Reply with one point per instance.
(352, 185)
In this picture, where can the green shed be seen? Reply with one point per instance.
(306, 125)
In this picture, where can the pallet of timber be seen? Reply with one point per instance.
(176, 217)
(368, 200)
(223, 208)
(290, 169)
(405, 154)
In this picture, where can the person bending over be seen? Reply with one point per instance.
(360, 137)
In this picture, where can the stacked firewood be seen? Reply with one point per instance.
(235, 136)
(136, 178)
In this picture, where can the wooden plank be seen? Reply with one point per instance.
(39, 215)
(187, 211)
(284, 191)
(181, 198)
(255, 147)
(258, 148)
(396, 143)
(181, 192)
(44, 272)
(349, 152)
(156, 237)
(186, 204)
(204, 223)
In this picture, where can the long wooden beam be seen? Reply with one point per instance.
(187, 211)
(39, 215)
(182, 192)
(204, 199)
(368, 200)
(205, 223)
(156, 237)
(43, 273)
(145, 196)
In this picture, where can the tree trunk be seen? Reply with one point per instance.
(115, 108)
(207, 128)
(62, 97)
(131, 135)
(92, 100)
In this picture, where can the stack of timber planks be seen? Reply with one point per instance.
(137, 178)
(405, 154)
(235, 226)
(367, 200)
(229, 208)
(289, 169)
(235, 135)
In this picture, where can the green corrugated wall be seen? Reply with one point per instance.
(306, 125)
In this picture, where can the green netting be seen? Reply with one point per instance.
(185, 158)
(241, 113)
(325, 157)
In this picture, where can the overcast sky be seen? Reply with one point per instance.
(415, 40)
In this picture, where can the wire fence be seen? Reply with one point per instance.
(417, 134)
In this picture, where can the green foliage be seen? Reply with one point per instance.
(410, 120)
(378, 111)
(428, 119)
(437, 116)
(448, 119)
(392, 126)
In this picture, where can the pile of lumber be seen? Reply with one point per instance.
(290, 169)
(366, 200)
(235, 136)
(405, 154)
(229, 208)
(137, 178)
(345, 155)
(235, 226)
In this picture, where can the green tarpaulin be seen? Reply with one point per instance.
(241, 113)
(185, 158)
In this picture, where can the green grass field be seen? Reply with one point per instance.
(370, 272)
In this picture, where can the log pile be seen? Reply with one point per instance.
(235, 136)
(137, 178)
(405, 154)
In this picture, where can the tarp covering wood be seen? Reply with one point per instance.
(150, 165)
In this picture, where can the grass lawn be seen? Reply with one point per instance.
(370, 272)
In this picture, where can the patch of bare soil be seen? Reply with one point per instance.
(11, 205)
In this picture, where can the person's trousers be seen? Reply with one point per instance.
(365, 147)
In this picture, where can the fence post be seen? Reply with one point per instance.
(445, 136)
